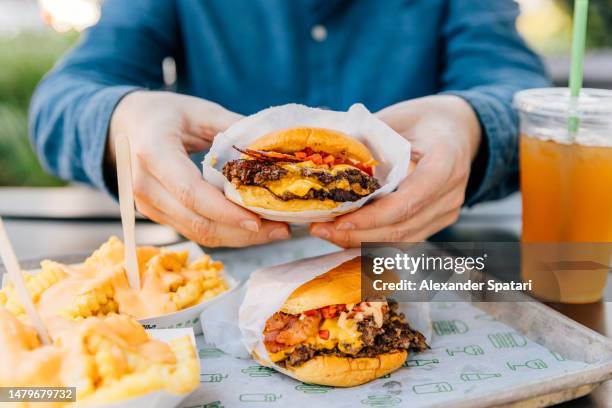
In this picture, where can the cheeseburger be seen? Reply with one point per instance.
(302, 169)
(324, 334)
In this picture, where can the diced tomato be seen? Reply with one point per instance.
(315, 158)
(339, 160)
(363, 167)
(357, 308)
(329, 159)
(311, 312)
(324, 334)
(308, 151)
(300, 155)
(329, 312)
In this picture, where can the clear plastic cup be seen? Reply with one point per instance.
(566, 185)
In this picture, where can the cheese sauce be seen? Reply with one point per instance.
(299, 186)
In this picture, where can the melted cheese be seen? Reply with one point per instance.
(342, 333)
(299, 186)
(294, 185)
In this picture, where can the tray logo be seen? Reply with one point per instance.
(446, 327)
(432, 388)
(212, 377)
(507, 340)
(536, 364)
(478, 376)
(381, 401)
(471, 350)
(260, 397)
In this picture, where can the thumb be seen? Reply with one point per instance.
(402, 115)
(204, 119)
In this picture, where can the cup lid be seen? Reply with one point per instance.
(592, 103)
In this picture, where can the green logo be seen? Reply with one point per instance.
(445, 305)
(260, 397)
(507, 340)
(535, 364)
(313, 388)
(486, 317)
(478, 376)
(381, 401)
(432, 388)
(446, 327)
(214, 377)
(258, 371)
(210, 352)
(472, 350)
(557, 356)
(420, 362)
(214, 404)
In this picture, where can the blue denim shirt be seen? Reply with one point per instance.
(251, 54)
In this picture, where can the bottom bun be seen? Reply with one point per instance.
(253, 196)
(338, 371)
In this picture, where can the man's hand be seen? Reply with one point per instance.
(445, 136)
(163, 128)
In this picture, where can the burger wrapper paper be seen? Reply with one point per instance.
(391, 150)
(156, 399)
(264, 294)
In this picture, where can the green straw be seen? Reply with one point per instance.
(578, 45)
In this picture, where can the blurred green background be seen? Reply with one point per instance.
(24, 59)
(26, 55)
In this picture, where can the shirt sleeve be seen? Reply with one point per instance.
(71, 109)
(486, 63)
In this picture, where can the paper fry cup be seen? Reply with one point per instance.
(157, 399)
(391, 150)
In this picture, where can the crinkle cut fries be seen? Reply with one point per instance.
(99, 286)
(107, 359)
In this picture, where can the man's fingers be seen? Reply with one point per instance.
(429, 216)
(204, 119)
(182, 178)
(167, 210)
(420, 189)
(402, 232)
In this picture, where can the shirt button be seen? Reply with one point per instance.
(318, 33)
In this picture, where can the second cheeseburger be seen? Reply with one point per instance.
(301, 169)
(324, 334)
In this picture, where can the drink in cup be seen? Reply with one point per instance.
(566, 185)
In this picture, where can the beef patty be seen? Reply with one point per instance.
(394, 334)
(258, 173)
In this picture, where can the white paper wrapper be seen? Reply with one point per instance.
(264, 294)
(390, 149)
(183, 318)
(157, 399)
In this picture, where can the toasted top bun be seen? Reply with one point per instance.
(340, 285)
(320, 140)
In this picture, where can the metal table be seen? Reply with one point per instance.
(47, 223)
